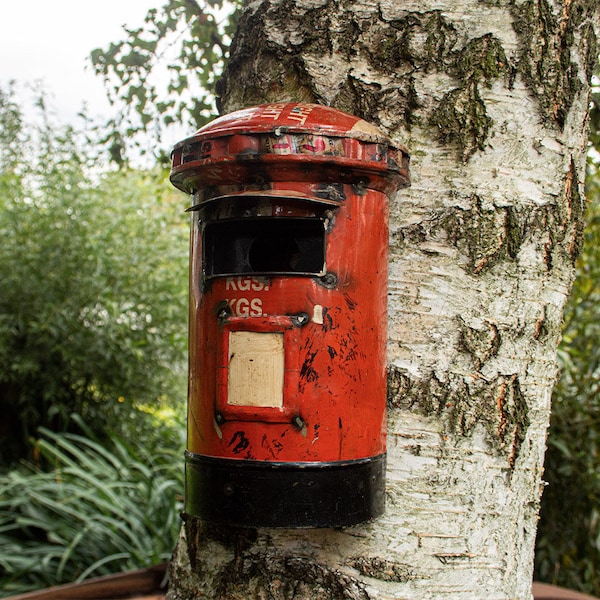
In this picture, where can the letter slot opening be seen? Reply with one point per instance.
(264, 245)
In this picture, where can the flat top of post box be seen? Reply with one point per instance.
(293, 117)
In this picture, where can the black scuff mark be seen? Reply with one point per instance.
(308, 342)
(241, 442)
(273, 447)
(350, 302)
(327, 320)
(348, 350)
(307, 371)
(352, 354)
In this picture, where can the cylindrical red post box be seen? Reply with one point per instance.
(288, 290)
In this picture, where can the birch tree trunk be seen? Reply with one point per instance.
(491, 98)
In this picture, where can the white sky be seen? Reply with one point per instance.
(50, 40)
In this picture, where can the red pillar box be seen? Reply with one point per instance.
(288, 288)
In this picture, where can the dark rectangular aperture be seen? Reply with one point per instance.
(264, 245)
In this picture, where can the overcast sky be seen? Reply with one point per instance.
(50, 40)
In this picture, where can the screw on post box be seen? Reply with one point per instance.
(287, 333)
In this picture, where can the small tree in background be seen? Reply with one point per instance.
(93, 284)
(183, 42)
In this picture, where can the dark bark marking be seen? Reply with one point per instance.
(499, 406)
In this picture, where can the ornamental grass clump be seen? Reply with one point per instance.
(87, 509)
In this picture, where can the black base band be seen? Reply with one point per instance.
(265, 494)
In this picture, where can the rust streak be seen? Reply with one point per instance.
(569, 190)
(500, 403)
(480, 265)
(539, 324)
(565, 18)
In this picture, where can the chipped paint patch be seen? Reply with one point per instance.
(317, 314)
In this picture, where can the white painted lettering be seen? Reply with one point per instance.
(243, 307)
(300, 114)
(272, 111)
(256, 307)
(244, 283)
(258, 285)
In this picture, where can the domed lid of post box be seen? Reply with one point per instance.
(292, 142)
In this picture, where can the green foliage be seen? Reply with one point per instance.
(595, 113)
(93, 284)
(568, 544)
(165, 71)
(100, 508)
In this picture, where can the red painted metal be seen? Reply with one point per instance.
(317, 178)
(297, 144)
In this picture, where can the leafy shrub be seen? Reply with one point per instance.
(96, 510)
(93, 279)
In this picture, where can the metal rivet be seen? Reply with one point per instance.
(329, 280)
(298, 422)
(300, 319)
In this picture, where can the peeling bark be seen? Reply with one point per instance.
(491, 98)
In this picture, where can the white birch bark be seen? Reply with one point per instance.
(491, 97)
